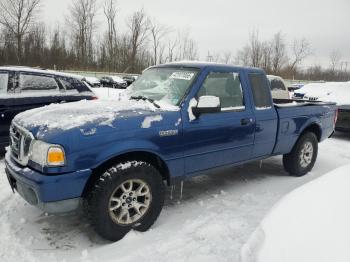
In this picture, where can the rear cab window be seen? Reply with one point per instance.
(227, 86)
(261, 91)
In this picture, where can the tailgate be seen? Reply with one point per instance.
(343, 123)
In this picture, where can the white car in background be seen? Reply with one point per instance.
(278, 88)
(310, 224)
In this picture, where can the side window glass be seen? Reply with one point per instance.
(261, 91)
(68, 83)
(4, 79)
(226, 86)
(277, 85)
(29, 82)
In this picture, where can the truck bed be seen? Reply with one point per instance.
(293, 119)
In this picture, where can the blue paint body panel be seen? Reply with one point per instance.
(210, 141)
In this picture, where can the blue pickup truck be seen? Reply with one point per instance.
(178, 120)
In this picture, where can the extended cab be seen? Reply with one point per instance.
(176, 121)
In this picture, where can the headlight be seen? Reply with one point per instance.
(46, 154)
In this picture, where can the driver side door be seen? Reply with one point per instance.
(222, 138)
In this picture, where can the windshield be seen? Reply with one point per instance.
(163, 84)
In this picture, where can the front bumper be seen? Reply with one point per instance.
(59, 193)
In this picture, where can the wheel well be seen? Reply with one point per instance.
(148, 157)
(314, 128)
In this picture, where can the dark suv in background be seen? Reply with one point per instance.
(24, 88)
(114, 82)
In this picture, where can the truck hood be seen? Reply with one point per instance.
(88, 116)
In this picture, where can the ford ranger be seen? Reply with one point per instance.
(178, 120)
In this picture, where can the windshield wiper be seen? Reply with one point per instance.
(144, 98)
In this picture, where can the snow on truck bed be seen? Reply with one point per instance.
(211, 223)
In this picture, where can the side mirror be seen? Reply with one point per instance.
(207, 105)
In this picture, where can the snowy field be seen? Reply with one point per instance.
(214, 219)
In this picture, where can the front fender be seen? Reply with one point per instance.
(129, 146)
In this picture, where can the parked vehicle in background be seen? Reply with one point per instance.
(180, 120)
(338, 92)
(114, 82)
(24, 88)
(92, 81)
(129, 79)
(295, 86)
(278, 88)
(343, 123)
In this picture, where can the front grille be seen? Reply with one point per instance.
(20, 141)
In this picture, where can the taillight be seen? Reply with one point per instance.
(94, 98)
(336, 116)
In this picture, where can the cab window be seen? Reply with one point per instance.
(226, 86)
(261, 91)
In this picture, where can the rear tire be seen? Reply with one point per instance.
(303, 156)
(128, 195)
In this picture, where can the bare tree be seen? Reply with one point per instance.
(243, 56)
(266, 56)
(82, 22)
(138, 25)
(255, 49)
(158, 32)
(301, 49)
(110, 11)
(17, 16)
(227, 57)
(171, 50)
(278, 53)
(335, 58)
(188, 48)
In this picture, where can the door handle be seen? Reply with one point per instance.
(246, 121)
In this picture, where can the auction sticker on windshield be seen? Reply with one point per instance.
(182, 75)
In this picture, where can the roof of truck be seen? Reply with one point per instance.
(202, 65)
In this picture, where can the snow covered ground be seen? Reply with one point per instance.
(214, 219)
(312, 220)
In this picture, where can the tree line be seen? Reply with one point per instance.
(25, 40)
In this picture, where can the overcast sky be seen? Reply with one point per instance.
(224, 25)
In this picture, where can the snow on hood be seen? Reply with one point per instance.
(77, 114)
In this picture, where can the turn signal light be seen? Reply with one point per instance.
(55, 156)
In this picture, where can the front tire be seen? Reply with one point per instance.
(303, 156)
(129, 195)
